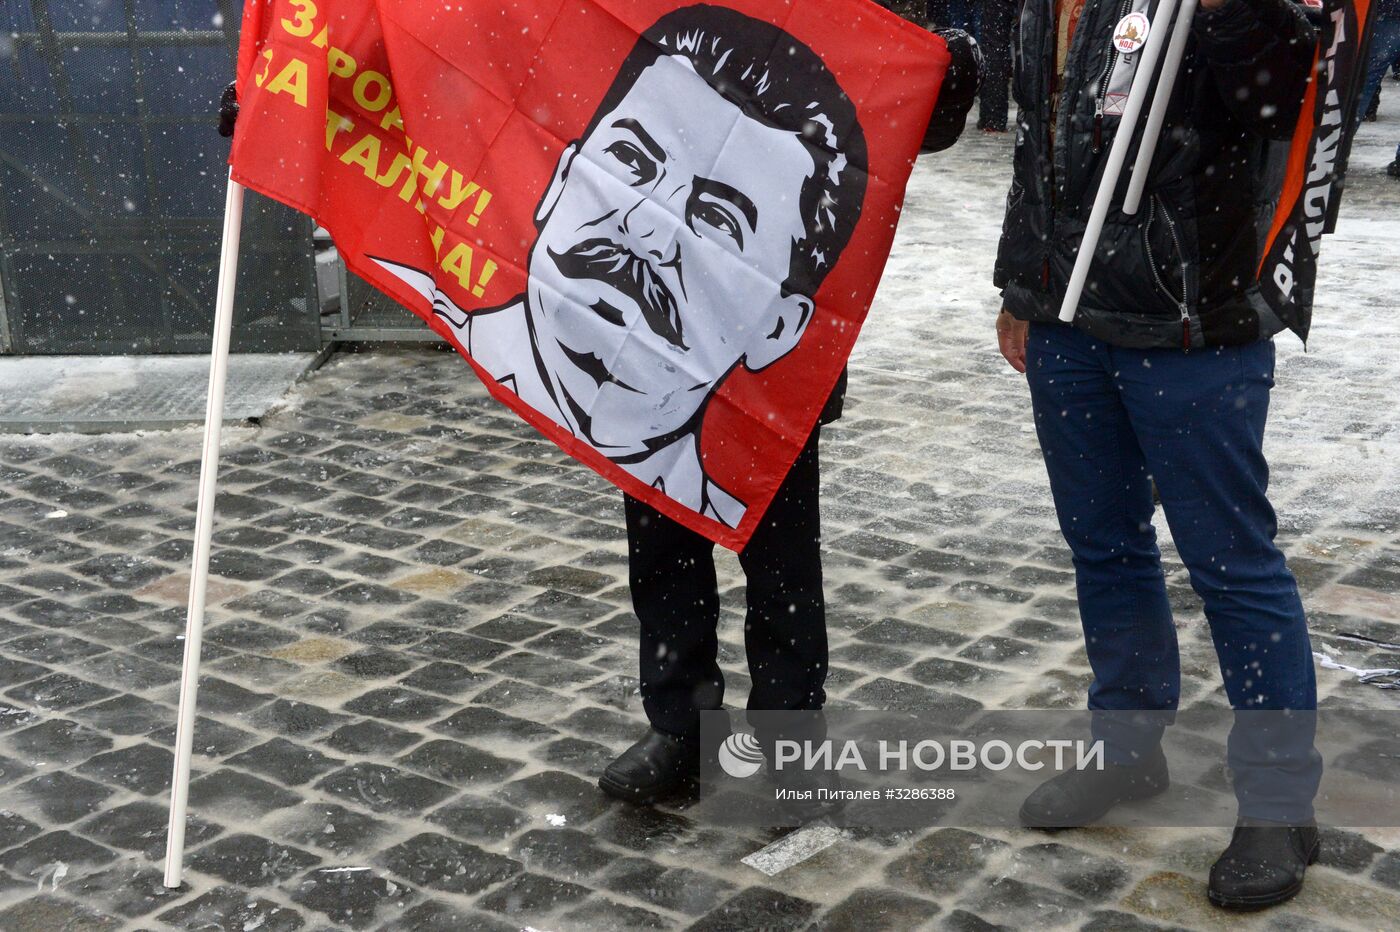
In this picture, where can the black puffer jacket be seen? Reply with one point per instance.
(1181, 272)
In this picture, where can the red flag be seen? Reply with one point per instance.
(654, 228)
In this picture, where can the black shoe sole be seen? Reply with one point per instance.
(1246, 904)
(1045, 825)
(642, 797)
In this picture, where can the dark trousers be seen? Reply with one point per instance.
(998, 19)
(676, 599)
(1111, 421)
(990, 23)
(956, 14)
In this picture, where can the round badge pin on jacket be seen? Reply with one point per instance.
(1131, 33)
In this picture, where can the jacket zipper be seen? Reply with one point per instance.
(1124, 9)
(1184, 305)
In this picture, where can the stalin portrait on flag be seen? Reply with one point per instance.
(653, 228)
(686, 232)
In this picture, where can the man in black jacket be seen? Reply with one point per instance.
(1164, 378)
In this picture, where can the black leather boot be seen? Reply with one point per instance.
(658, 765)
(1264, 865)
(1080, 797)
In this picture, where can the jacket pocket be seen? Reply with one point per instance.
(1166, 258)
(1133, 254)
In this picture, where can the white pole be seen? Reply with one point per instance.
(1158, 114)
(203, 532)
(1117, 155)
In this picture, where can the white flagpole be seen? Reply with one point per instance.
(1158, 114)
(1117, 155)
(203, 532)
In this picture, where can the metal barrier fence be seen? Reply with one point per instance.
(111, 186)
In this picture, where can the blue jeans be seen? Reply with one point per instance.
(1385, 48)
(1111, 421)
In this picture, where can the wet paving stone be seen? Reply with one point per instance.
(961, 920)
(352, 897)
(52, 648)
(562, 793)
(15, 828)
(1347, 851)
(285, 761)
(600, 912)
(384, 789)
(50, 912)
(131, 671)
(396, 704)
(941, 862)
(561, 852)
(131, 890)
(142, 827)
(12, 770)
(532, 895)
(878, 909)
(758, 908)
(677, 889)
(18, 671)
(449, 679)
(1090, 876)
(58, 742)
(49, 614)
(479, 721)
(141, 768)
(447, 864)
(249, 860)
(120, 571)
(644, 829)
(37, 859)
(458, 764)
(232, 908)
(884, 693)
(374, 663)
(586, 758)
(235, 795)
(212, 738)
(543, 670)
(370, 737)
(62, 797)
(999, 650)
(435, 916)
(295, 719)
(1019, 904)
(341, 831)
(479, 819)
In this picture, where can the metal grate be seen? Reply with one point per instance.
(368, 315)
(111, 186)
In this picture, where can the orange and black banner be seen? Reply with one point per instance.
(1312, 185)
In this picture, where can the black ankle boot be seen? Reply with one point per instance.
(1080, 797)
(1264, 865)
(658, 765)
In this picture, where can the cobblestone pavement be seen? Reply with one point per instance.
(420, 650)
